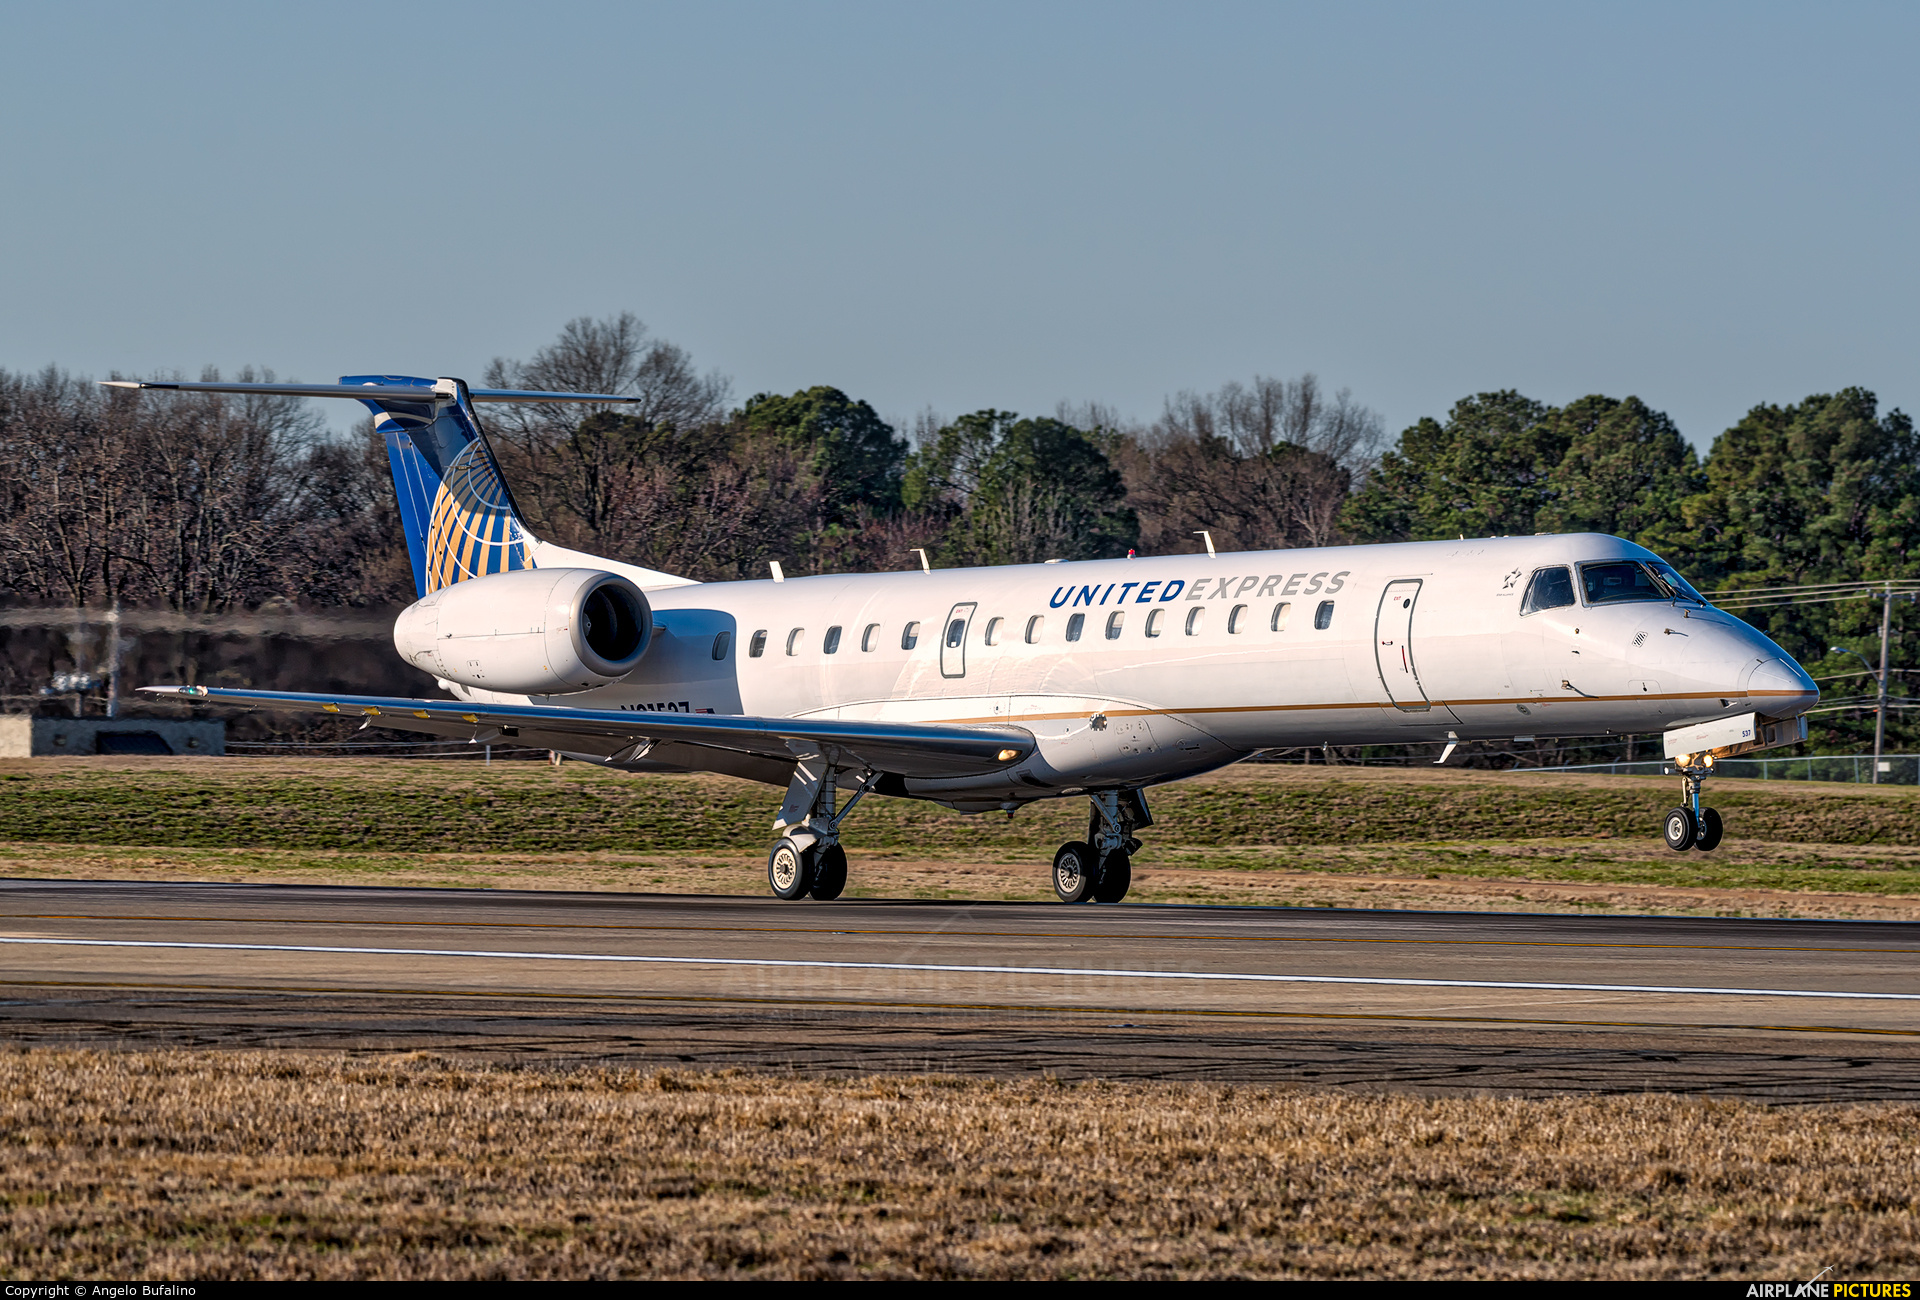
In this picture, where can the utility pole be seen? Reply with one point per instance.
(1880, 714)
(113, 660)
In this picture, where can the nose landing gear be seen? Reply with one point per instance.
(1690, 826)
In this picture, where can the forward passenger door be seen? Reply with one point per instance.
(1393, 646)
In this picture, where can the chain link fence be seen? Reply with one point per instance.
(1895, 769)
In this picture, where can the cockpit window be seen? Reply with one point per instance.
(1613, 582)
(1550, 589)
(1682, 588)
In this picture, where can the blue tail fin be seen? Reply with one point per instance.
(456, 511)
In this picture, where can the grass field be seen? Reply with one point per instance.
(212, 1165)
(1311, 836)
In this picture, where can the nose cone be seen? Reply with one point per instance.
(1780, 688)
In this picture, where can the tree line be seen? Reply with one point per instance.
(211, 503)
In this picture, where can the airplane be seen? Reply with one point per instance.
(986, 689)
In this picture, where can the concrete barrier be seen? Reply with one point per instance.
(26, 737)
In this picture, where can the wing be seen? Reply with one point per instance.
(904, 749)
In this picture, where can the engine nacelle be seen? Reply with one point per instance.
(529, 632)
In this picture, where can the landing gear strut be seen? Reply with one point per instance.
(1100, 868)
(1690, 826)
(808, 859)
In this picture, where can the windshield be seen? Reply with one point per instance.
(1682, 588)
(1613, 582)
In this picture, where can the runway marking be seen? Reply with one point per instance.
(833, 931)
(956, 969)
(809, 1002)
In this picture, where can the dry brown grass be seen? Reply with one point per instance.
(271, 1165)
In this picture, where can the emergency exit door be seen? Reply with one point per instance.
(1393, 646)
(953, 640)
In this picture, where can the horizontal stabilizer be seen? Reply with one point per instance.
(907, 749)
(364, 391)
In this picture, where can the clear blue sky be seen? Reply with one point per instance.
(958, 206)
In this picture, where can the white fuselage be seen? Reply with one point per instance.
(1423, 641)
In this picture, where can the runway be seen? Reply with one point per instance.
(1422, 1001)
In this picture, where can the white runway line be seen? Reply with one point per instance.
(1225, 976)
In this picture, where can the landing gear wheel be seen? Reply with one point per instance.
(790, 869)
(1074, 873)
(1116, 873)
(1707, 838)
(830, 873)
(1680, 829)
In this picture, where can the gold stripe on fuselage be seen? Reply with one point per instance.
(1016, 719)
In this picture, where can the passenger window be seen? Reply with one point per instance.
(1035, 626)
(1550, 589)
(1323, 617)
(1237, 621)
(1280, 613)
(1116, 621)
(720, 643)
(1195, 617)
(757, 646)
(793, 640)
(871, 637)
(910, 636)
(1156, 621)
(1074, 625)
(832, 644)
(993, 630)
(956, 632)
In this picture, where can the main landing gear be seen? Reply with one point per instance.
(1690, 826)
(1100, 868)
(807, 860)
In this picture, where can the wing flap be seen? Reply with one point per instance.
(920, 750)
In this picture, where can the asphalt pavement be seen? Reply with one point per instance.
(1794, 1011)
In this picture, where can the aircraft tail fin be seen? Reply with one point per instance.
(456, 510)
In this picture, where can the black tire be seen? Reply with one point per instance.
(830, 874)
(1680, 829)
(1707, 838)
(1074, 873)
(1116, 874)
(790, 869)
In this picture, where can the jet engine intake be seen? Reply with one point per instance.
(529, 632)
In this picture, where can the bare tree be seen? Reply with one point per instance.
(566, 461)
(217, 492)
(1262, 465)
(1254, 419)
(616, 356)
(188, 500)
(65, 465)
